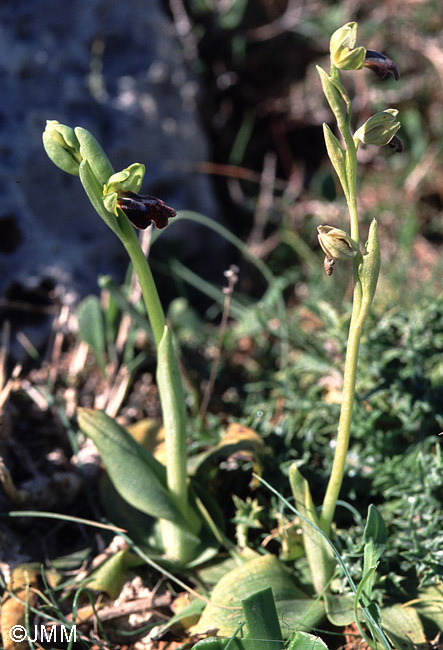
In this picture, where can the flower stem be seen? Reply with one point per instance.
(176, 541)
(344, 424)
(355, 327)
(142, 269)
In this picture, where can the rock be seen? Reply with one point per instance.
(116, 69)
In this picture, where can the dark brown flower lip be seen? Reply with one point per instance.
(328, 264)
(396, 144)
(381, 64)
(142, 210)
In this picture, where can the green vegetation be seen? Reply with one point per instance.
(284, 466)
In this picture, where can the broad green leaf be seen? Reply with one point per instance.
(317, 553)
(430, 604)
(134, 472)
(403, 626)
(261, 625)
(261, 620)
(141, 527)
(91, 327)
(304, 641)
(339, 609)
(292, 604)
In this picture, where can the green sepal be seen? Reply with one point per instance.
(344, 54)
(128, 180)
(378, 129)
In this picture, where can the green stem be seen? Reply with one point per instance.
(142, 269)
(344, 424)
(175, 540)
(355, 327)
(344, 121)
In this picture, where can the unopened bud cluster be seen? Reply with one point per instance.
(77, 152)
(380, 129)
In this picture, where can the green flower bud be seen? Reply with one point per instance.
(344, 54)
(62, 146)
(379, 129)
(128, 180)
(336, 244)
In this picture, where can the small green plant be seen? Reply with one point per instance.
(339, 246)
(165, 492)
(141, 480)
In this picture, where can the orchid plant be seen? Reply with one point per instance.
(164, 492)
(142, 481)
(339, 246)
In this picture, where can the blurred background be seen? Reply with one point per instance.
(221, 100)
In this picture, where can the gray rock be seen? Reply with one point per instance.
(116, 69)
